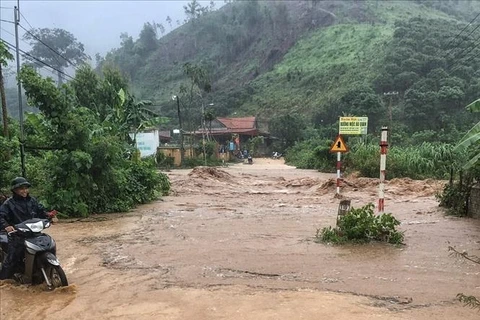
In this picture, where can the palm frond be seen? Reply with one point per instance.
(472, 136)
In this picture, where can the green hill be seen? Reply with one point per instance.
(321, 59)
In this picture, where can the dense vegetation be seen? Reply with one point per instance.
(321, 60)
(79, 153)
(311, 57)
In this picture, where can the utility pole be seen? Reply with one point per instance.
(182, 148)
(390, 94)
(203, 134)
(16, 11)
(4, 105)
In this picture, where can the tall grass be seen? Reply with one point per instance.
(427, 160)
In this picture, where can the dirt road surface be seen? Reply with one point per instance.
(237, 243)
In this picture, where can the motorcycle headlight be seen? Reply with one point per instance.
(35, 227)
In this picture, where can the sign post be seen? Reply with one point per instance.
(383, 165)
(339, 147)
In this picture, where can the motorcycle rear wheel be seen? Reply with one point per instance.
(57, 276)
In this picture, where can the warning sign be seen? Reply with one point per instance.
(339, 145)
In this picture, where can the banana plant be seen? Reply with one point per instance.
(137, 115)
(472, 137)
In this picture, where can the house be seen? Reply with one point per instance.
(226, 129)
(165, 136)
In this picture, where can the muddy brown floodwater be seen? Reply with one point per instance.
(237, 243)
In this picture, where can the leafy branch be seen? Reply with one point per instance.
(457, 254)
(469, 301)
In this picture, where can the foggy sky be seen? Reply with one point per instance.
(96, 24)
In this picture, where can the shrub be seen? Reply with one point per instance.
(362, 225)
(455, 196)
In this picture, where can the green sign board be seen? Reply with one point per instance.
(353, 125)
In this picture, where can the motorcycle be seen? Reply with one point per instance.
(276, 155)
(40, 263)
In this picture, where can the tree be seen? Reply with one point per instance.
(147, 41)
(5, 56)
(288, 128)
(194, 9)
(199, 83)
(161, 28)
(137, 116)
(56, 47)
(209, 116)
(88, 169)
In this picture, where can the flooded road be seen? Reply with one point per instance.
(237, 243)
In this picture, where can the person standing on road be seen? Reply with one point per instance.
(16, 209)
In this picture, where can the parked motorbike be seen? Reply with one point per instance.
(40, 263)
(276, 155)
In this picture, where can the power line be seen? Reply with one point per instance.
(7, 32)
(458, 56)
(468, 60)
(454, 38)
(7, 21)
(13, 35)
(471, 49)
(25, 20)
(33, 35)
(38, 60)
(471, 32)
(46, 45)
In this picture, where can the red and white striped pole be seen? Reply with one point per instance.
(383, 164)
(339, 176)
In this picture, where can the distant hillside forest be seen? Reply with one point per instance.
(405, 64)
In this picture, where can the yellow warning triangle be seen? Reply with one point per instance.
(339, 145)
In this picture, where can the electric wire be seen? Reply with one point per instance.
(25, 20)
(7, 21)
(28, 44)
(49, 47)
(466, 61)
(41, 41)
(457, 56)
(466, 54)
(38, 60)
(458, 35)
(7, 32)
